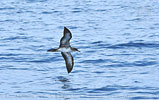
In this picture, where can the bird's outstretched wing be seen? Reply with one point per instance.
(64, 42)
(68, 60)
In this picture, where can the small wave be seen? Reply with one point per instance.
(120, 87)
(16, 38)
(32, 1)
(97, 42)
(101, 10)
(144, 97)
(135, 19)
(102, 44)
(7, 8)
(7, 20)
(106, 89)
(50, 12)
(76, 11)
(99, 72)
(70, 27)
(96, 61)
(147, 92)
(132, 44)
(137, 63)
(79, 71)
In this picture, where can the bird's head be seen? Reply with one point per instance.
(75, 49)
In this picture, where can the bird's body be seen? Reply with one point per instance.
(65, 49)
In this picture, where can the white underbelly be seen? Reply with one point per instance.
(64, 49)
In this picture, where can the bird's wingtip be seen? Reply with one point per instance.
(69, 70)
(66, 30)
(65, 27)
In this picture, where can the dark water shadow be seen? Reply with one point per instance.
(66, 86)
(65, 81)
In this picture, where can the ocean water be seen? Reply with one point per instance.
(118, 40)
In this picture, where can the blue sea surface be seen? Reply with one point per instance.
(118, 40)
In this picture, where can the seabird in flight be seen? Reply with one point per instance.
(66, 49)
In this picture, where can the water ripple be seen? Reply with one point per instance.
(138, 45)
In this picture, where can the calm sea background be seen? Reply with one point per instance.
(118, 40)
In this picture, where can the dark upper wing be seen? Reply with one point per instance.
(64, 42)
(68, 60)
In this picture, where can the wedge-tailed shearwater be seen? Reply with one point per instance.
(66, 49)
